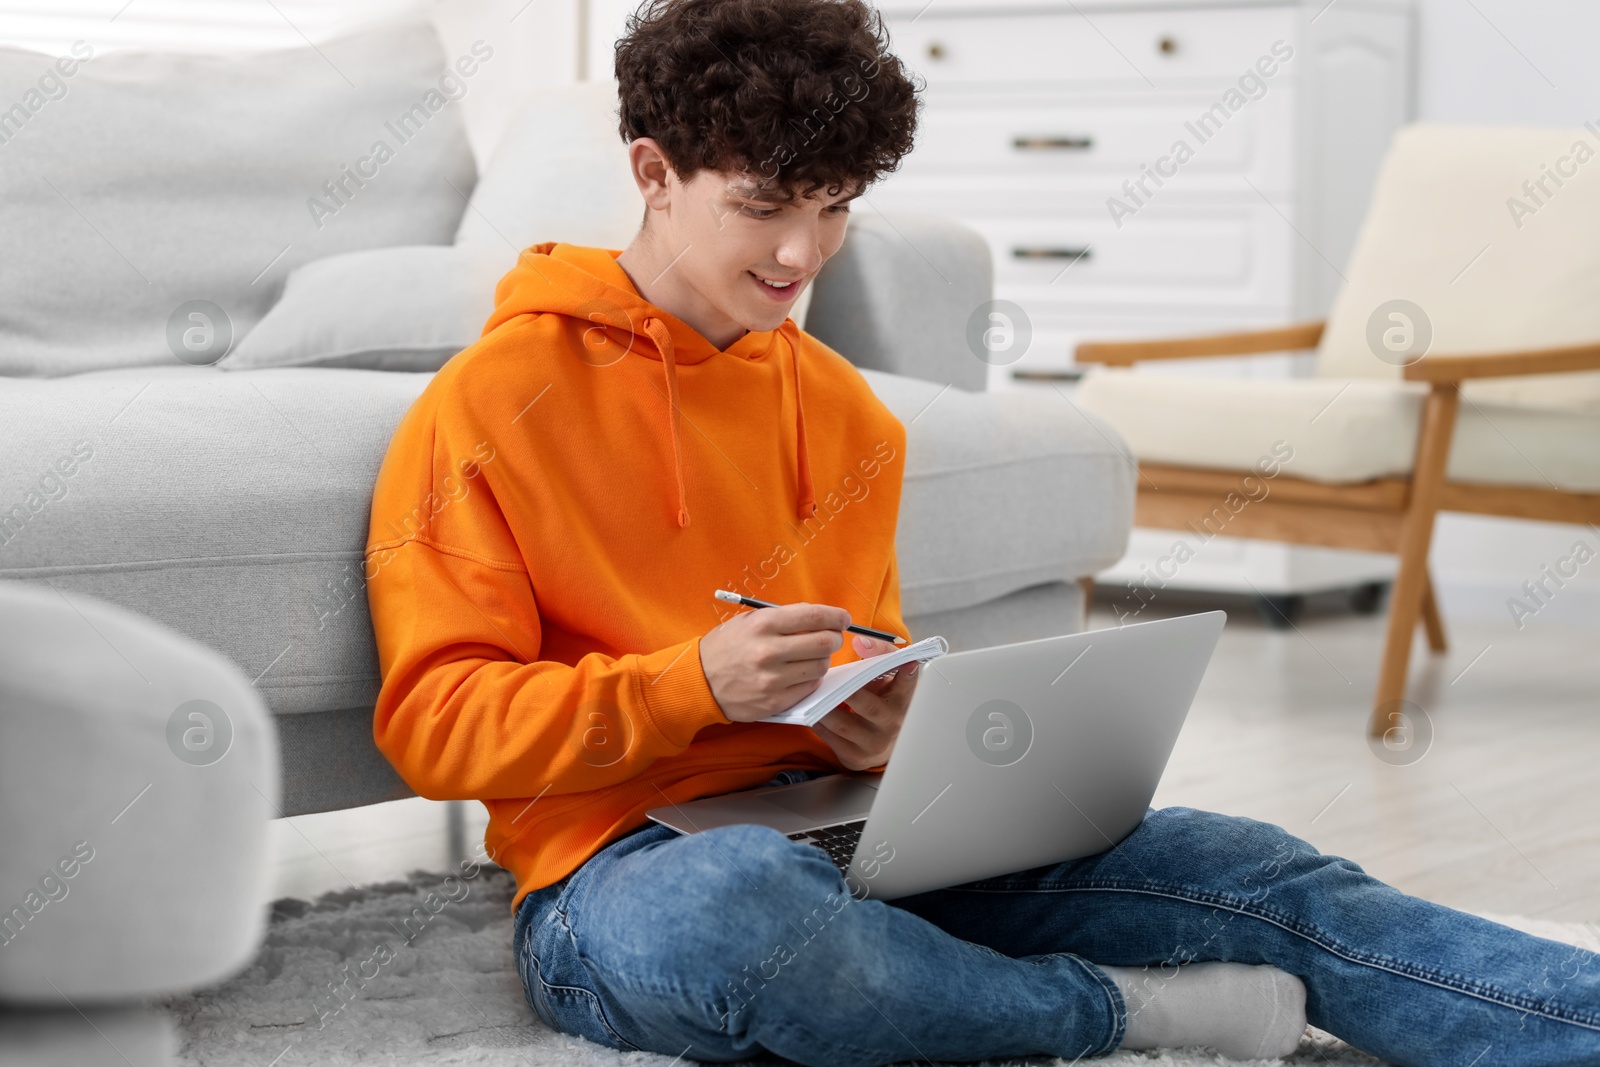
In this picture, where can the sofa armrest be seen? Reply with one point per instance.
(897, 295)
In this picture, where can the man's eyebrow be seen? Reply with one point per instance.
(778, 196)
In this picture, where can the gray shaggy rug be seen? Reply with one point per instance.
(419, 986)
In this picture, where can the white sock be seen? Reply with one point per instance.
(1242, 1011)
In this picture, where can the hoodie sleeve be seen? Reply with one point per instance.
(468, 709)
(886, 614)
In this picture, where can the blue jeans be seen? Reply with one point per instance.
(736, 942)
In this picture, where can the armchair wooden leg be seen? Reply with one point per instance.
(1432, 621)
(1411, 584)
(1405, 607)
(1087, 585)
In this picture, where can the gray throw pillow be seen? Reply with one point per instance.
(144, 190)
(397, 309)
(559, 173)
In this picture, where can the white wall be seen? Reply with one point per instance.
(1511, 62)
(185, 25)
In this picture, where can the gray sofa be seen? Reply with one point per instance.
(233, 506)
(227, 500)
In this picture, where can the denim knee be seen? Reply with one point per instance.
(1246, 859)
(716, 902)
(1195, 830)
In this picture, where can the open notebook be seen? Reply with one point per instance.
(845, 679)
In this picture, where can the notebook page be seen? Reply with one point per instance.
(841, 681)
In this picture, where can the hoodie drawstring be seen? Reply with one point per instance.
(669, 366)
(807, 503)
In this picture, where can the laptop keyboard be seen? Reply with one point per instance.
(839, 842)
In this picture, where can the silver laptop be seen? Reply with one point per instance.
(1009, 758)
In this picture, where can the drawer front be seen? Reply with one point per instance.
(1149, 48)
(1066, 144)
(1235, 256)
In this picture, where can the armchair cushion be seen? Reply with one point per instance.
(1348, 431)
(1491, 233)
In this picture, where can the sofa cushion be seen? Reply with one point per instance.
(160, 180)
(1044, 610)
(234, 507)
(1003, 491)
(1348, 431)
(230, 507)
(906, 314)
(1470, 227)
(402, 309)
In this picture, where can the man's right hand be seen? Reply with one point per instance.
(761, 662)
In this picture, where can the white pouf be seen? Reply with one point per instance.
(138, 772)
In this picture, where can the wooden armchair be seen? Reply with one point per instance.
(1391, 514)
(1504, 419)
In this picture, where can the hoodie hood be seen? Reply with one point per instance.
(587, 284)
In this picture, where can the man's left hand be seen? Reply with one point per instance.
(862, 731)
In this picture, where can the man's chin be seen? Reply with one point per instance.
(766, 319)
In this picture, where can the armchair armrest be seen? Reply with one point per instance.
(1440, 369)
(1258, 342)
(897, 295)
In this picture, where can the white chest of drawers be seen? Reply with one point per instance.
(1149, 168)
(1144, 168)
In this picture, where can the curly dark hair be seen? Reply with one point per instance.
(802, 94)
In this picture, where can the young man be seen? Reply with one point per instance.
(638, 429)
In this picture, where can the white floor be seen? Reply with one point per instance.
(1501, 813)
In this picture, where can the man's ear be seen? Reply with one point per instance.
(651, 172)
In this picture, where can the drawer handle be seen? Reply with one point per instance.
(1034, 144)
(1073, 254)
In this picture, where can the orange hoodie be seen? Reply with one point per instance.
(548, 526)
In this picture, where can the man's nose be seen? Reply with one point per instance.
(801, 251)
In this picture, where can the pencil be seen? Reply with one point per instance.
(751, 602)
